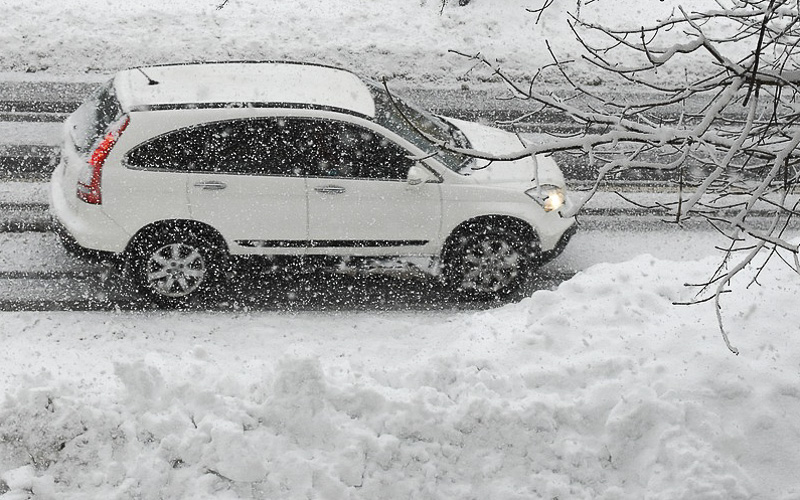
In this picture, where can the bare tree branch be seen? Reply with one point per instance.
(728, 136)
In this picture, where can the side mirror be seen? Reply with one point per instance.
(418, 174)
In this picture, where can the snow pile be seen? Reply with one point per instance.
(599, 389)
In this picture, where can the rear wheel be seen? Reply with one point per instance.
(488, 264)
(175, 268)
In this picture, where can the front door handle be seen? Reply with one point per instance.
(330, 189)
(211, 185)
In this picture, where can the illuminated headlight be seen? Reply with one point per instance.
(548, 196)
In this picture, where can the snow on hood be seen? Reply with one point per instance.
(495, 141)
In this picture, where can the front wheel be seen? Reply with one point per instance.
(488, 265)
(173, 269)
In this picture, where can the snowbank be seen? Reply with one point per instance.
(404, 40)
(599, 389)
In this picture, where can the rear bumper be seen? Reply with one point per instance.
(85, 226)
(72, 246)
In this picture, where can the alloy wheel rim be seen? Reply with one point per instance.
(490, 266)
(175, 270)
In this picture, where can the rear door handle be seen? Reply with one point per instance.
(211, 185)
(330, 189)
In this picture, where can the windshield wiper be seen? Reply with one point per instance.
(459, 139)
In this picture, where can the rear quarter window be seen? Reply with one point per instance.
(175, 151)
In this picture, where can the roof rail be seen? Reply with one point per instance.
(242, 61)
(234, 105)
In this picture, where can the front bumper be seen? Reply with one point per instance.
(549, 255)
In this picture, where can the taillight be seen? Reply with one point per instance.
(88, 188)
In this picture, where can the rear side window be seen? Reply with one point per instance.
(257, 147)
(92, 118)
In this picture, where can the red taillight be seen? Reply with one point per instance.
(88, 188)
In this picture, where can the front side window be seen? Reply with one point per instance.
(350, 151)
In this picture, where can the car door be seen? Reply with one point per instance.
(359, 199)
(247, 186)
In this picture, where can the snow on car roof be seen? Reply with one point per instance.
(243, 82)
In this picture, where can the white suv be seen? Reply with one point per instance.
(176, 169)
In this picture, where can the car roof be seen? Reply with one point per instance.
(223, 84)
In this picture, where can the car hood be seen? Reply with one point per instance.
(495, 141)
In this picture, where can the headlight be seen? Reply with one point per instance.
(548, 196)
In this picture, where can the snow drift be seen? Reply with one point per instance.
(599, 389)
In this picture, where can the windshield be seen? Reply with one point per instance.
(410, 122)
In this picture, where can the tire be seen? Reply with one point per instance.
(488, 264)
(175, 268)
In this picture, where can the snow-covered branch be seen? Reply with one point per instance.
(731, 129)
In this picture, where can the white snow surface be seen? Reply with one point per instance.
(599, 389)
(402, 40)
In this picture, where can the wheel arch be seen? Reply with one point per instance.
(190, 227)
(489, 223)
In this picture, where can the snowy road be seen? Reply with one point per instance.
(37, 274)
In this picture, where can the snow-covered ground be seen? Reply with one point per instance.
(599, 389)
(403, 40)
